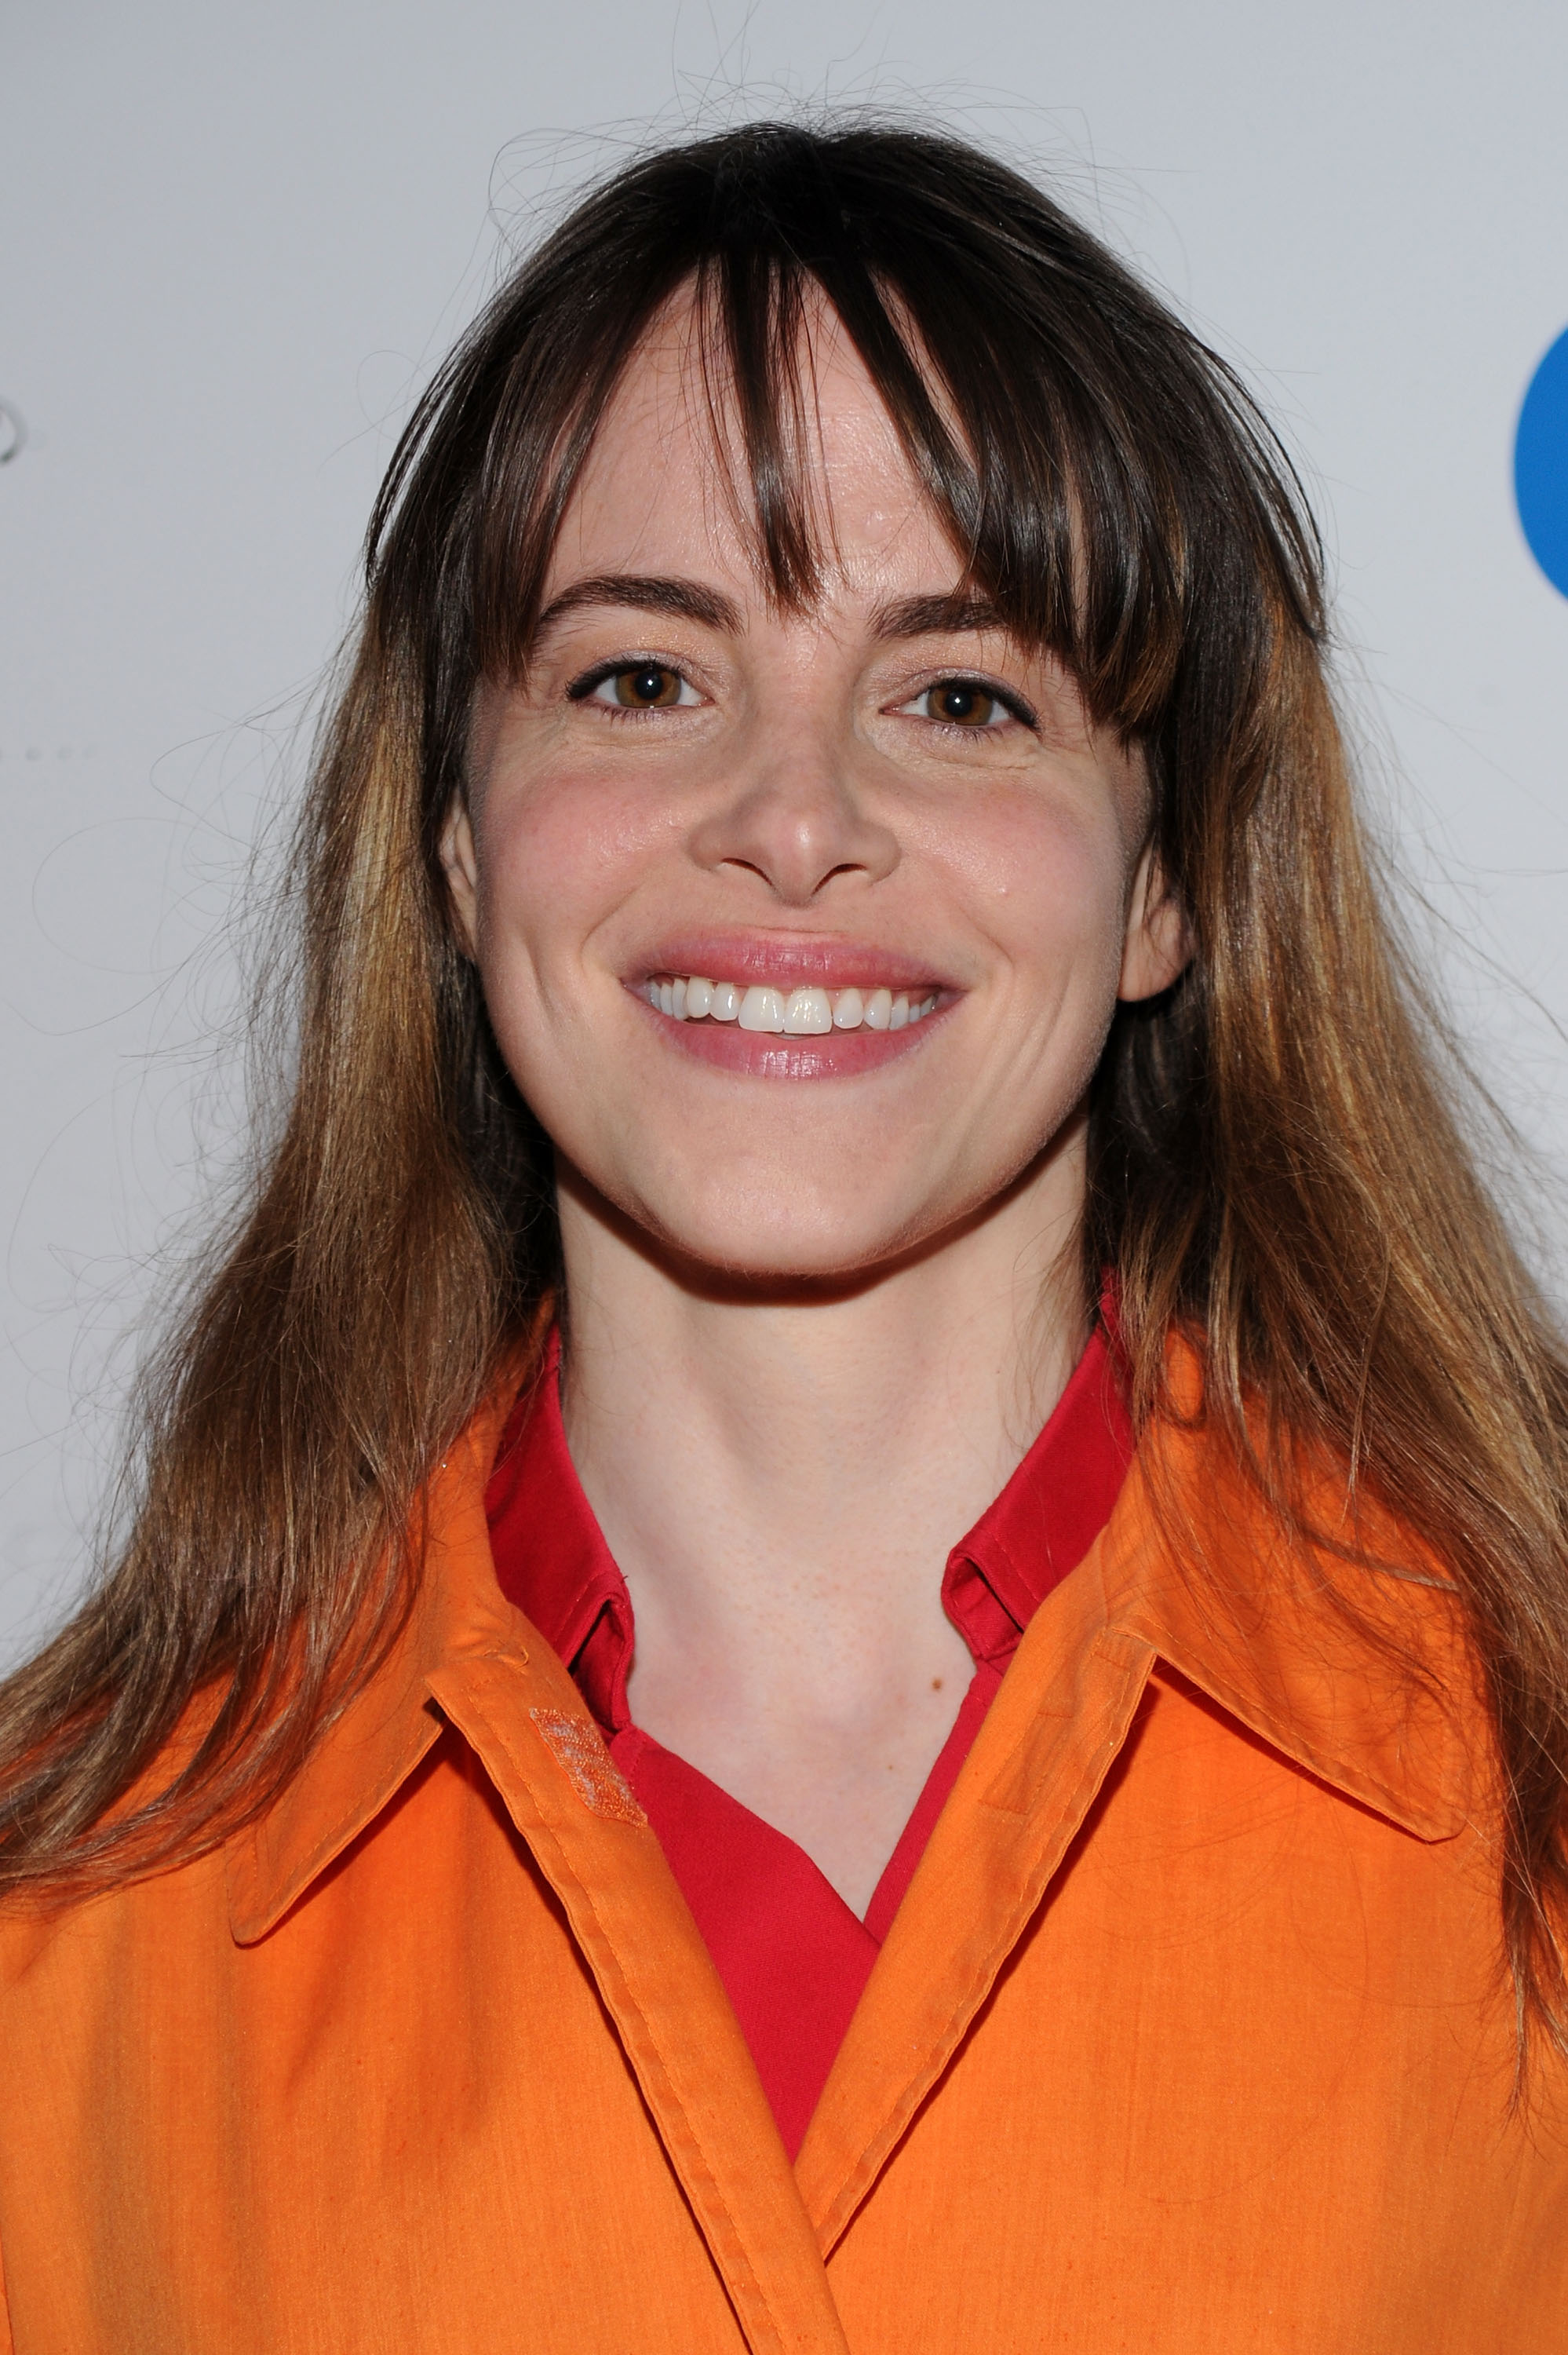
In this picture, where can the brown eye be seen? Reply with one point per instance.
(649, 687)
(962, 704)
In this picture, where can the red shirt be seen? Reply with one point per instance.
(792, 1956)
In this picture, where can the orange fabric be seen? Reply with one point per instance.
(1189, 2038)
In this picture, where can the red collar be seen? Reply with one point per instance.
(552, 1561)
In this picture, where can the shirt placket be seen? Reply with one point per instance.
(568, 1801)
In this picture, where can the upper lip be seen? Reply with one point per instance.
(787, 961)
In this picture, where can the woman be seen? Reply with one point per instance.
(848, 1625)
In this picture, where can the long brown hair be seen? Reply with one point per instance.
(1275, 1165)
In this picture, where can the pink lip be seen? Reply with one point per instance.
(788, 961)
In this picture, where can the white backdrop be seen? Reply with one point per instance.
(237, 237)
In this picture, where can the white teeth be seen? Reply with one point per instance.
(805, 1012)
(808, 1014)
(761, 1009)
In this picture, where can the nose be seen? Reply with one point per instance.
(795, 821)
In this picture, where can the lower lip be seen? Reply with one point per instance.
(770, 1055)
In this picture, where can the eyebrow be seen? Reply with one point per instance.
(922, 617)
(693, 601)
(647, 592)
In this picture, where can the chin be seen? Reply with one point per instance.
(837, 1244)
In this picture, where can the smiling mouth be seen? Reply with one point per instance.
(802, 1012)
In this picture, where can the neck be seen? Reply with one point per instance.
(732, 1437)
(781, 1473)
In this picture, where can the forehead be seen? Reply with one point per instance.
(665, 487)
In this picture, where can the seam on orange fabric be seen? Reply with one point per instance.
(248, 1928)
(747, 2274)
(1109, 1735)
(1428, 1821)
(1020, 1777)
(740, 2255)
(578, 1745)
(7, 2339)
(605, 1940)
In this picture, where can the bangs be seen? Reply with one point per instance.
(1113, 494)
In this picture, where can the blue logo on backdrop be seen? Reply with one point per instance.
(1541, 464)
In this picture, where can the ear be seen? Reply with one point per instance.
(461, 866)
(1158, 944)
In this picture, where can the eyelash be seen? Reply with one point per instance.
(1012, 704)
(581, 689)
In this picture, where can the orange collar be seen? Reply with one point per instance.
(1260, 1626)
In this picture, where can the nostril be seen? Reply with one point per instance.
(796, 843)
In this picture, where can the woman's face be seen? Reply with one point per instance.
(879, 823)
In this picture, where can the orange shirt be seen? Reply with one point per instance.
(1188, 2039)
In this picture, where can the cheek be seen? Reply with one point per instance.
(1045, 879)
(558, 855)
